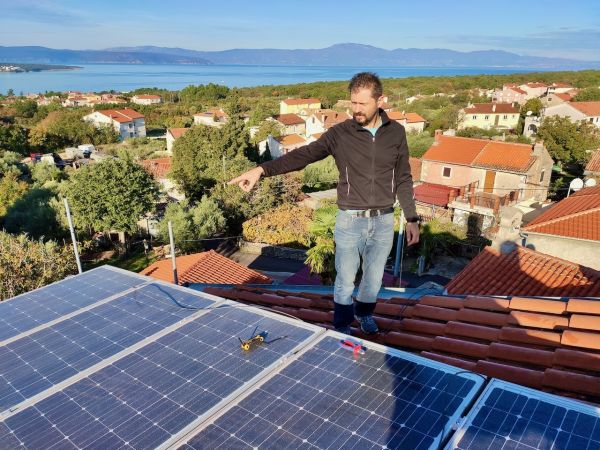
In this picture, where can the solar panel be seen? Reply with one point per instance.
(508, 416)
(334, 398)
(35, 308)
(154, 393)
(39, 361)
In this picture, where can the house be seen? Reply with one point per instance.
(488, 174)
(146, 99)
(75, 99)
(575, 111)
(592, 168)
(569, 229)
(291, 123)
(295, 105)
(127, 122)
(553, 98)
(524, 271)
(323, 119)
(214, 117)
(279, 146)
(205, 267)
(489, 115)
(172, 135)
(111, 98)
(534, 90)
(560, 88)
(412, 122)
(510, 93)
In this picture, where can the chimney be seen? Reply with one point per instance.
(437, 135)
(538, 148)
(493, 107)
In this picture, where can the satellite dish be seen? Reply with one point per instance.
(576, 184)
(529, 113)
(590, 182)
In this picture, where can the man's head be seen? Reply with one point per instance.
(366, 97)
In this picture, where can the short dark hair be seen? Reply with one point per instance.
(367, 80)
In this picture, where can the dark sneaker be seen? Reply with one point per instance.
(367, 324)
(345, 330)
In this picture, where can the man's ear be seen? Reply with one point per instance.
(380, 102)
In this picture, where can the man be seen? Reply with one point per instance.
(371, 154)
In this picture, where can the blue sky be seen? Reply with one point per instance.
(543, 28)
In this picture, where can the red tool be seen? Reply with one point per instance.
(354, 346)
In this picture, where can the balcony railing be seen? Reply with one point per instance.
(469, 195)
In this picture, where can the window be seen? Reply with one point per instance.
(130, 134)
(505, 117)
(474, 117)
(542, 175)
(446, 171)
(130, 125)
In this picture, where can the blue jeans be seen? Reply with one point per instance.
(368, 237)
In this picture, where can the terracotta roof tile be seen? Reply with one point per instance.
(289, 119)
(158, 168)
(178, 132)
(524, 340)
(290, 139)
(433, 194)
(577, 216)
(588, 108)
(205, 267)
(121, 115)
(524, 272)
(484, 153)
(492, 108)
(593, 164)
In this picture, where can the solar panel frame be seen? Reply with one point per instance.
(286, 439)
(489, 439)
(47, 312)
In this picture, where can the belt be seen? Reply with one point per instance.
(372, 212)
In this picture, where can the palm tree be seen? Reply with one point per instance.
(321, 257)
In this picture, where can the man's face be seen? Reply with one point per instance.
(364, 106)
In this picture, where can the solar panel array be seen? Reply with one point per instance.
(508, 416)
(108, 359)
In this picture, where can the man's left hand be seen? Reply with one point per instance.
(412, 233)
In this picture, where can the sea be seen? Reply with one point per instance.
(127, 77)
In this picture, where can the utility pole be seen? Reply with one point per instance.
(73, 237)
(174, 263)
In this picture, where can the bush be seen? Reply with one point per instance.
(287, 225)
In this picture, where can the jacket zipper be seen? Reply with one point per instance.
(347, 182)
(393, 177)
(373, 172)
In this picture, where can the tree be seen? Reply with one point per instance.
(419, 143)
(13, 138)
(10, 162)
(534, 105)
(192, 224)
(25, 108)
(567, 141)
(286, 225)
(26, 264)
(41, 173)
(111, 195)
(11, 189)
(591, 94)
(34, 214)
(321, 174)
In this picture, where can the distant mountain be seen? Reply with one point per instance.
(336, 55)
(46, 55)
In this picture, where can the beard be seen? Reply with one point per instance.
(363, 119)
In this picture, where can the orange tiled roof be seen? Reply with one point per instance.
(546, 344)
(433, 194)
(121, 115)
(492, 108)
(205, 267)
(301, 101)
(564, 96)
(518, 90)
(289, 119)
(158, 168)
(535, 85)
(147, 97)
(577, 216)
(415, 168)
(213, 112)
(588, 108)
(178, 132)
(593, 164)
(524, 272)
(290, 139)
(483, 153)
(410, 117)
